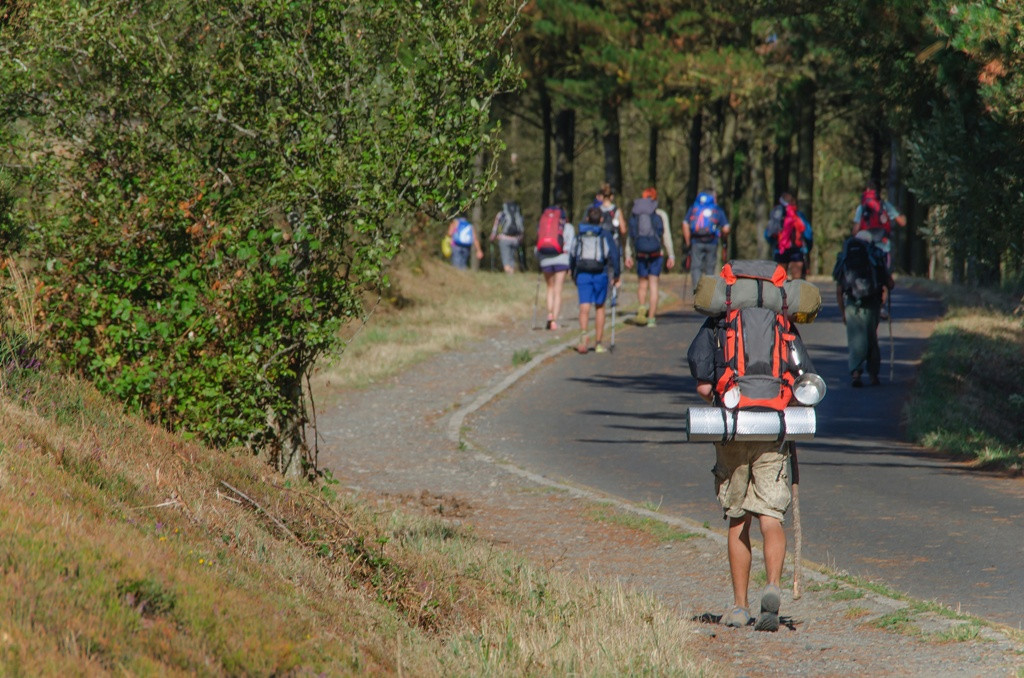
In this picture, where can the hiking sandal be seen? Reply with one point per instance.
(738, 618)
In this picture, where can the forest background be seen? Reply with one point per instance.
(196, 197)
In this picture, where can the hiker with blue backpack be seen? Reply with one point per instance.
(508, 230)
(649, 244)
(705, 224)
(593, 253)
(462, 235)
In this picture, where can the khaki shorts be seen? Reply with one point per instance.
(752, 477)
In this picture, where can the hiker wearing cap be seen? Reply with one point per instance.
(649, 244)
(873, 220)
(704, 225)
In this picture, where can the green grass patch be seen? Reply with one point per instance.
(521, 357)
(658, 529)
(846, 594)
(968, 400)
(900, 621)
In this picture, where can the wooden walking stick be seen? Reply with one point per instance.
(798, 534)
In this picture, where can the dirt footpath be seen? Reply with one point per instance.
(403, 440)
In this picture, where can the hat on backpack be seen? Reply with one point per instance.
(705, 199)
(651, 193)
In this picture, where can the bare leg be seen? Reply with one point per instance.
(740, 558)
(599, 324)
(652, 282)
(774, 537)
(641, 291)
(585, 318)
(556, 295)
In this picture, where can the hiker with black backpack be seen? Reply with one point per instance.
(705, 224)
(612, 219)
(649, 243)
(593, 253)
(862, 279)
(748, 356)
(508, 231)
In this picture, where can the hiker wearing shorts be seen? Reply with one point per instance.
(649, 266)
(554, 268)
(592, 285)
(751, 481)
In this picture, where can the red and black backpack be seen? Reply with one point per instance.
(755, 343)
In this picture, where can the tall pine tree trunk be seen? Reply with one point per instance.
(545, 121)
(611, 141)
(805, 156)
(696, 137)
(723, 162)
(760, 201)
(565, 150)
(652, 156)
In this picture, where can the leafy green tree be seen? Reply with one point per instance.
(212, 187)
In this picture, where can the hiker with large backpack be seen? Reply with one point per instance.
(462, 235)
(862, 279)
(748, 356)
(796, 262)
(612, 219)
(793, 241)
(649, 243)
(593, 253)
(705, 224)
(554, 243)
(508, 230)
(875, 217)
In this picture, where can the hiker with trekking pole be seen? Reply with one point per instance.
(862, 279)
(753, 369)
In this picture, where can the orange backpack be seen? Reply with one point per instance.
(755, 343)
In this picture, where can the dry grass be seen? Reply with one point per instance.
(129, 551)
(430, 308)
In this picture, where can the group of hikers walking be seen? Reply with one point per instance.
(753, 478)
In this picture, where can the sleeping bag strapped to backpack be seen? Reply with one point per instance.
(550, 239)
(860, 270)
(755, 342)
(590, 253)
(646, 228)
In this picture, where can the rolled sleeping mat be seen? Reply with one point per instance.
(716, 424)
(803, 299)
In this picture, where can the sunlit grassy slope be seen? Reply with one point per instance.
(125, 550)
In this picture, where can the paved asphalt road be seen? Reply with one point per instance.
(870, 504)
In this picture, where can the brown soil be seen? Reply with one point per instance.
(404, 440)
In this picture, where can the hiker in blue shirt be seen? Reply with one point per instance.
(703, 226)
(463, 238)
(593, 251)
